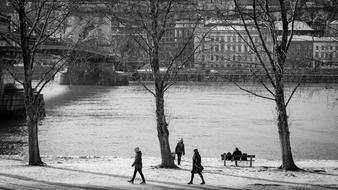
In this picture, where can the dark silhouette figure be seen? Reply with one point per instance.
(244, 156)
(236, 155)
(138, 165)
(179, 150)
(228, 156)
(196, 167)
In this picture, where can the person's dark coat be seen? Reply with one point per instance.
(138, 160)
(196, 163)
(237, 154)
(180, 148)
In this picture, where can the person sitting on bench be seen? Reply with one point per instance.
(244, 157)
(228, 156)
(236, 155)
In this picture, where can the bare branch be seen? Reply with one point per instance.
(292, 25)
(255, 94)
(38, 17)
(293, 92)
(262, 82)
(254, 46)
(13, 75)
(147, 88)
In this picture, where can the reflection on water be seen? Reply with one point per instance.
(12, 137)
(110, 121)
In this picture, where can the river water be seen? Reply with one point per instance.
(213, 117)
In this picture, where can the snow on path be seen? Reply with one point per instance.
(113, 173)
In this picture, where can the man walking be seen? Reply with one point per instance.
(179, 150)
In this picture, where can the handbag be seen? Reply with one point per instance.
(199, 169)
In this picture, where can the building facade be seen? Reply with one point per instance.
(325, 51)
(228, 47)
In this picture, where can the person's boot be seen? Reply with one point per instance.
(131, 181)
(143, 182)
(190, 182)
(203, 182)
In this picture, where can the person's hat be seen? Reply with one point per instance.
(181, 140)
(137, 149)
(195, 150)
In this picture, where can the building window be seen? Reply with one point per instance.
(222, 47)
(211, 57)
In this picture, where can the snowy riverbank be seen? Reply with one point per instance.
(113, 173)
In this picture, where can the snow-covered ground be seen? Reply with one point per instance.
(113, 173)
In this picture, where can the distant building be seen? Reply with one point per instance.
(227, 46)
(333, 28)
(325, 51)
(300, 28)
(300, 53)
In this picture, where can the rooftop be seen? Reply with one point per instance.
(298, 25)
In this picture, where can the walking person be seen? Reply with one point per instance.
(196, 167)
(179, 150)
(138, 165)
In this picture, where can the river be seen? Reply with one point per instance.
(213, 117)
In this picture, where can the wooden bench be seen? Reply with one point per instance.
(244, 158)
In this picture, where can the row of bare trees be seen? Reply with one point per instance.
(153, 22)
(155, 19)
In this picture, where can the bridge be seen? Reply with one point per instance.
(80, 52)
(58, 48)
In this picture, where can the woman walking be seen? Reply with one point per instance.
(138, 165)
(196, 167)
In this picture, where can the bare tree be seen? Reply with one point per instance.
(33, 24)
(259, 22)
(154, 24)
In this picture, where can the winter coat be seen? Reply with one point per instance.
(196, 163)
(237, 154)
(138, 160)
(180, 148)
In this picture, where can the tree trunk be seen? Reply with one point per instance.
(163, 133)
(283, 131)
(33, 142)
